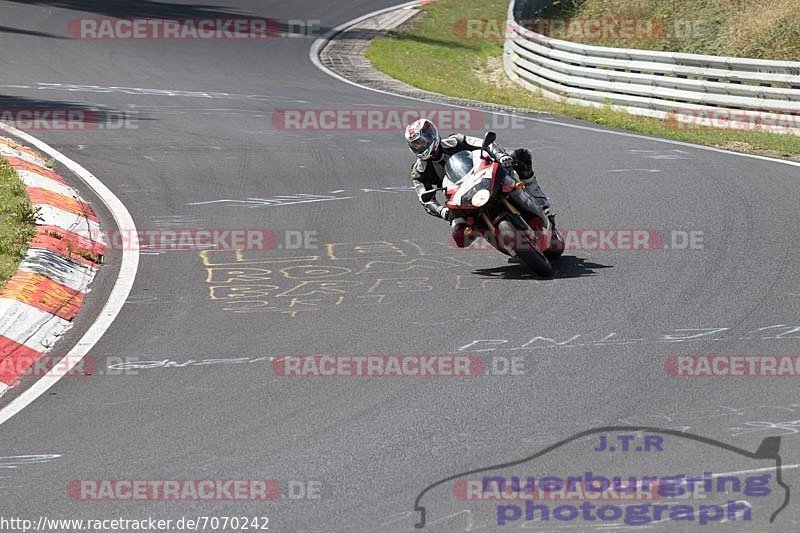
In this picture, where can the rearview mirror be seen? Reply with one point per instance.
(488, 139)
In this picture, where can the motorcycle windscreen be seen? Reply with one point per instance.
(473, 184)
(459, 165)
(460, 170)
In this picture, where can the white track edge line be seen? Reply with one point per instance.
(319, 44)
(119, 293)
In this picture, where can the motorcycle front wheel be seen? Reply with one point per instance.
(556, 247)
(533, 258)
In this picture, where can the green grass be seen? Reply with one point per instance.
(429, 54)
(17, 221)
(762, 29)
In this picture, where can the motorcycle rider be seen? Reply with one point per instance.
(429, 169)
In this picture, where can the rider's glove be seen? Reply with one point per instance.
(445, 213)
(432, 209)
(507, 161)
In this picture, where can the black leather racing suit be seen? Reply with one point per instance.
(427, 175)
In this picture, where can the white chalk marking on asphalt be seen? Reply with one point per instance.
(13, 461)
(648, 170)
(119, 293)
(750, 471)
(276, 201)
(145, 91)
(320, 43)
(757, 470)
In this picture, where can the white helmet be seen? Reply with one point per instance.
(423, 138)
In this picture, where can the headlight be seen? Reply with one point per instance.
(480, 198)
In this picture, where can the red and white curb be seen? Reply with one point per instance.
(40, 301)
(128, 267)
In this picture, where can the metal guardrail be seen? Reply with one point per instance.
(690, 88)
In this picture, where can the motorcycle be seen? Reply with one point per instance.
(492, 201)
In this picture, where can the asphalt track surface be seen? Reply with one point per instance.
(374, 444)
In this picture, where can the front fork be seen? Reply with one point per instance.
(515, 190)
(505, 241)
(521, 196)
(520, 222)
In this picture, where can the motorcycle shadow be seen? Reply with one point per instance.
(566, 267)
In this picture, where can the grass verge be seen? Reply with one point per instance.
(428, 53)
(761, 29)
(17, 221)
